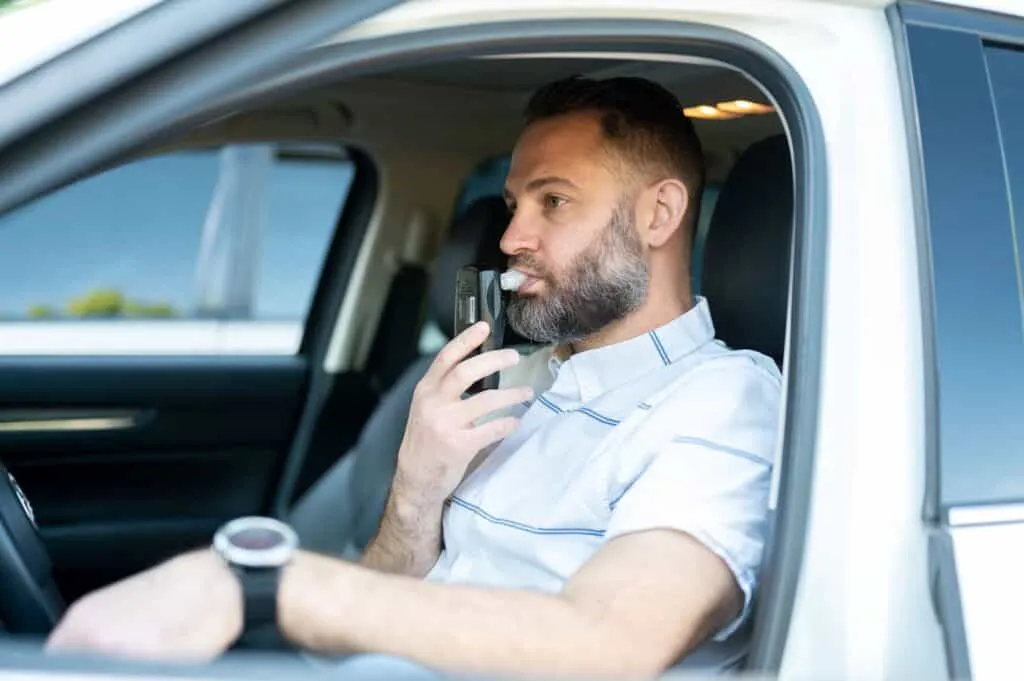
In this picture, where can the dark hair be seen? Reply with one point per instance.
(643, 121)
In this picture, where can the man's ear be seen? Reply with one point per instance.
(671, 201)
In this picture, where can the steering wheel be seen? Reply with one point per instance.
(29, 600)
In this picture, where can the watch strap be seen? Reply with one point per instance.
(259, 596)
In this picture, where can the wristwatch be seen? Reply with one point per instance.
(256, 548)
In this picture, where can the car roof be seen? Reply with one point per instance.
(35, 31)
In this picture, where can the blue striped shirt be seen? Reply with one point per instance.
(670, 429)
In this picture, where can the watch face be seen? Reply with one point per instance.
(256, 542)
(256, 538)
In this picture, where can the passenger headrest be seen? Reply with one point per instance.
(745, 269)
(474, 238)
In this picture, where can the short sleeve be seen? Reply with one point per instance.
(711, 479)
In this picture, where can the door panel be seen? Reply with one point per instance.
(153, 371)
(963, 70)
(208, 444)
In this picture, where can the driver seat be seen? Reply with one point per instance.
(340, 513)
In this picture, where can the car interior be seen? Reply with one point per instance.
(313, 437)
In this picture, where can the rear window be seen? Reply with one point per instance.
(209, 251)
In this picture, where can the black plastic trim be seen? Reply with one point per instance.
(985, 24)
(764, 65)
(139, 380)
(335, 276)
(115, 120)
(945, 591)
(342, 253)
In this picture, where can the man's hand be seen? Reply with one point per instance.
(441, 439)
(189, 608)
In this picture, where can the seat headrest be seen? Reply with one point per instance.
(474, 238)
(746, 260)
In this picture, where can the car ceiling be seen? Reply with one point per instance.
(508, 81)
(472, 106)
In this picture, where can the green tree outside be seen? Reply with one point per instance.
(41, 312)
(104, 303)
(11, 5)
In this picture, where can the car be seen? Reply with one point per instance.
(226, 234)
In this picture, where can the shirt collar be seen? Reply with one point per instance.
(608, 367)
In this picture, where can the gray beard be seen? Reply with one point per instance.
(602, 285)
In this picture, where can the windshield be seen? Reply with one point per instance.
(34, 31)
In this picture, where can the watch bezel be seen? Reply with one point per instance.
(275, 557)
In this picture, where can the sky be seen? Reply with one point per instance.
(137, 228)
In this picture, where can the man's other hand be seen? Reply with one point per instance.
(442, 437)
(186, 609)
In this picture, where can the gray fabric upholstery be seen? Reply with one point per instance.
(746, 253)
(340, 513)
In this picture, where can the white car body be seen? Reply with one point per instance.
(864, 608)
(35, 33)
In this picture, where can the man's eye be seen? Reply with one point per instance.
(553, 201)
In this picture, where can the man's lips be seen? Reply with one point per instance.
(530, 282)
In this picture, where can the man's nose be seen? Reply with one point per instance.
(519, 236)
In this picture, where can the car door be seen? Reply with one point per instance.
(964, 77)
(163, 319)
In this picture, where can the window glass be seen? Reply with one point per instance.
(222, 248)
(984, 364)
(971, 158)
(304, 200)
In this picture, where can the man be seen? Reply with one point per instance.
(612, 525)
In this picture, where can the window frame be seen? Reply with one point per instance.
(141, 112)
(950, 524)
(806, 311)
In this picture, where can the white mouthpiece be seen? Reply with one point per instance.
(512, 280)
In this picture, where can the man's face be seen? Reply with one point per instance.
(572, 231)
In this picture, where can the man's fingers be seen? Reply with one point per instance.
(468, 372)
(456, 350)
(492, 431)
(490, 401)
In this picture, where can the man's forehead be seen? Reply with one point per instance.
(569, 146)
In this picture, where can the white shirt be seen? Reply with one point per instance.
(670, 429)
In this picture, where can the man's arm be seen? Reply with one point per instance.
(408, 540)
(644, 600)
(639, 604)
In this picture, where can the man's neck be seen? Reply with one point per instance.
(651, 315)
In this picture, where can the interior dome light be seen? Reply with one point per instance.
(744, 107)
(709, 112)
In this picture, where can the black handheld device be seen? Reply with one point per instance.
(478, 297)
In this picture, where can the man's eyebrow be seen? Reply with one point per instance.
(539, 183)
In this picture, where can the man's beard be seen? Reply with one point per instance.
(602, 285)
